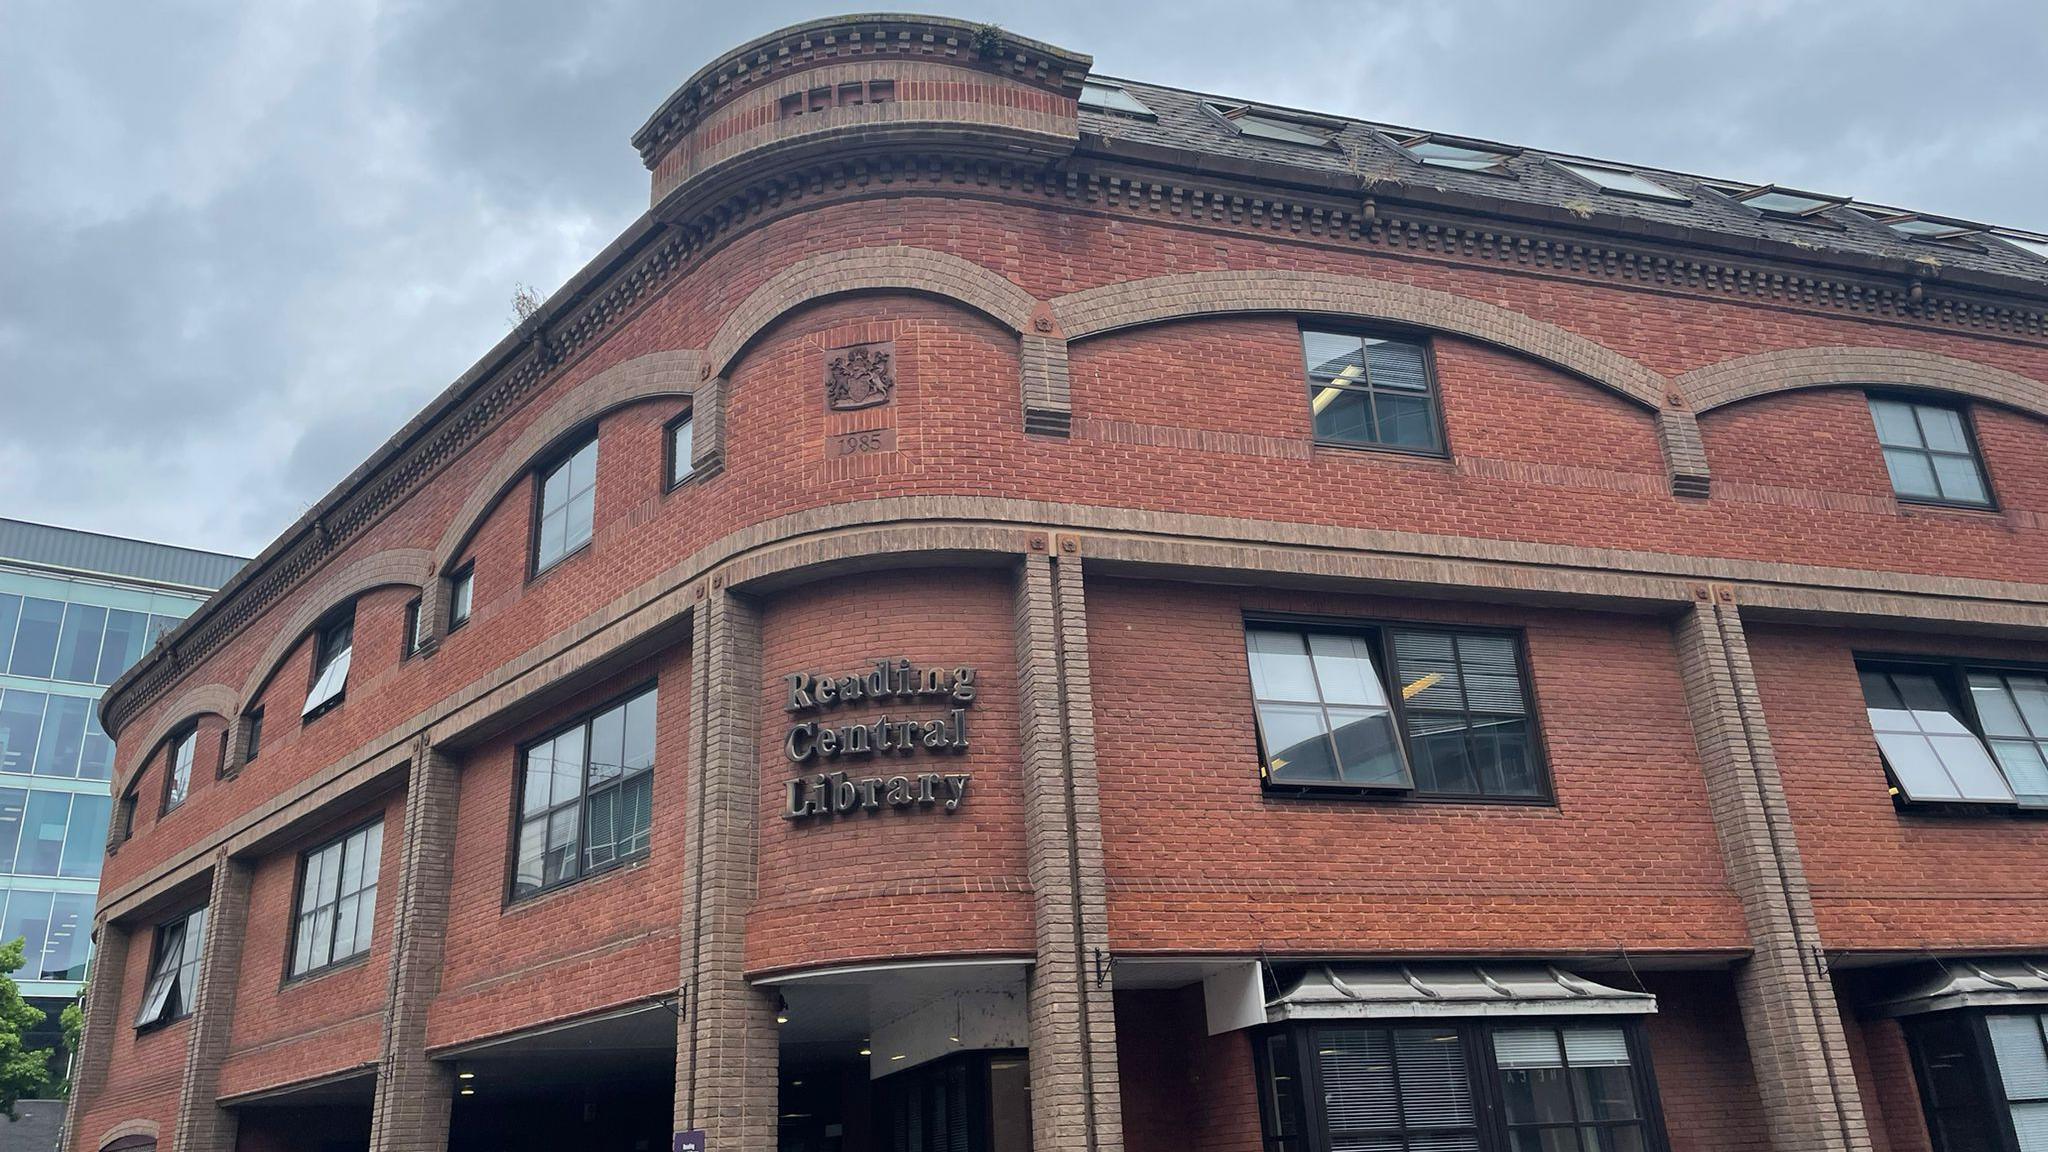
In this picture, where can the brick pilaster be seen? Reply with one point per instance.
(726, 1047)
(414, 1094)
(203, 1125)
(1789, 1012)
(1075, 1099)
(102, 1017)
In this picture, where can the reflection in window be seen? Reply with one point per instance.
(1323, 711)
(178, 771)
(461, 596)
(337, 900)
(586, 797)
(1467, 721)
(682, 445)
(1927, 450)
(35, 638)
(568, 499)
(21, 726)
(173, 971)
(1925, 730)
(1365, 390)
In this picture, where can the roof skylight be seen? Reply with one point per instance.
(2037, 245)
(1450, 152)
(1617, 180)
(1104, 97)
(1772, 200)
(1273, 126)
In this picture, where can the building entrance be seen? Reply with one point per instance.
(967, 1102)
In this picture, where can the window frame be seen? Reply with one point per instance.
(1406, 141)
(1377, 631)
(1964, 415)
(584, 719)
(547, 466)
(1990, 1083)
(187, 996)
(1953, 675)
(467, 574)
(409, 639)
(1491, 1131)
(184, 735)
(252, 734)
(291, 943)
(322, 636)
(669, 480)
(1422, 339)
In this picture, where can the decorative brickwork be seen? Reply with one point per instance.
(1790, 369)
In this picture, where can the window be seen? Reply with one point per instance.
(173, 971)
(568, 497)
(682, 444)
(1450, 152)
(413, 637)
(1457, 727)
(1481, 1085)
(1929, 452)
(586, 797)
(125, 818)
(1620, 181)
(178, 767)
(252, 736)
(1369, 391)
(1983, 1079)
(52, 833)
(337, 900)
(1951, 733)
(55, 930)
(1102, 97)
(1921, 226)
(1268, 125)
(332, 646)
(35, 639)
(1783, 203)
(461, 595)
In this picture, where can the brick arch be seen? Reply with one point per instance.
(1792, 369)
(203, 700)
(904, 268)
(1094, 311)
(646, 377)
(128, 1134)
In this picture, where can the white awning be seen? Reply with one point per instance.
(1408, 991)
(1950, 984)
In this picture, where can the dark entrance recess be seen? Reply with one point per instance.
(968, 1102)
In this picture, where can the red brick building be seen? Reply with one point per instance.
(1016, 609)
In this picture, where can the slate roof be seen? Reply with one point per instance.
(1368, 152)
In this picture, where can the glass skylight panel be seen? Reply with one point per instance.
(1110, 98)
(1271, 126)
(1616, 180)
(1441, 153)
(1775, 201)
(1926, 228)
(2036, 245)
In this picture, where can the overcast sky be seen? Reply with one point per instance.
(241, 243)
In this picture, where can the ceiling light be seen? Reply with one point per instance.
(468, 1091)
(465, 1075)
(865, 1050)
(899, 1056)
(781, 1009)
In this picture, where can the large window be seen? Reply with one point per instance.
(1983, 1079)
(52, 833)
(82, 643)
(566, 505)
(173, 971)
(178, 767)
(586, 797)
(1370, 391)
(337, 900)
(53, 735)
(1459, 1086)
(1954, 733)
(56, 931)
(1430, 711)
(333, 647)
(1930, 453)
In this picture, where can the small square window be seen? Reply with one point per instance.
(173, 971)
(791, 105)
(1370, 391)
(1101, 97)
(337, 904)
(1930, 453)
(682, 445)
(566, 504)
(461, 595)
(2032, 245)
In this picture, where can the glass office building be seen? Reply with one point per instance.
(76, 610)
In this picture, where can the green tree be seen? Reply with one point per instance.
(22, 1073)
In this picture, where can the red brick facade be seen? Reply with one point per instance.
(1084, 505)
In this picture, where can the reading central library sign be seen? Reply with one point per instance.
(823, 744)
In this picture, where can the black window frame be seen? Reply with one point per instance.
(410, 640)
(291, 948)
(1422, 340)
(462, 576)
(1989, 1084)
(324, 640)
(584, 870)
(1964, 415)
(252, 734)
(670, 481)
(186, 997)
(1952, 673)
(1378, 633)
(184, 734)
(553, 463)
(1490, 1128)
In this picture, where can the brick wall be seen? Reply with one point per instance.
(1704, 1081)
(1182, 1087)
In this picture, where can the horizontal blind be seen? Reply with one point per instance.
(1592, 1047)
(1357, 1068)
(2022, 1062)
(1526, 1048)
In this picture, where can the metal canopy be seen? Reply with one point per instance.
(1947, 984)
(1408, 991)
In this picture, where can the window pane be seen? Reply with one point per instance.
(607, 746)
(42, 841)
(27, 919)
(2030, 1123)
(86, 836)
(1344, 670)
(35, 642)
(372, 846)
(1343, 415)
(1976, 777)
(538, 792)
(2023, 766)
(1527, 1048)
(1912, 473)
(302, 943)
(2022, 1061)
(1434, 1088)
(601, 832)
(636, 814)
(1297, 744)
(1358, 1080)
(526, 875)
(682, 445)
(21, 724)
(345, 927)
(640, 732)
(1896, 427)
(464, 593)
(123, 644)
(1405, 421)
(1942, 429)
(1959, 479)
(1996, 707)
(10, 617)
(63, 736)
(1492, 674)
(70, 937)
(96, 761)
(1280, 666)
(576, 526)
(78, 649)
(12, 802)
(1442, 757)
(1333, 355)
(568, 765)
(560, 861)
